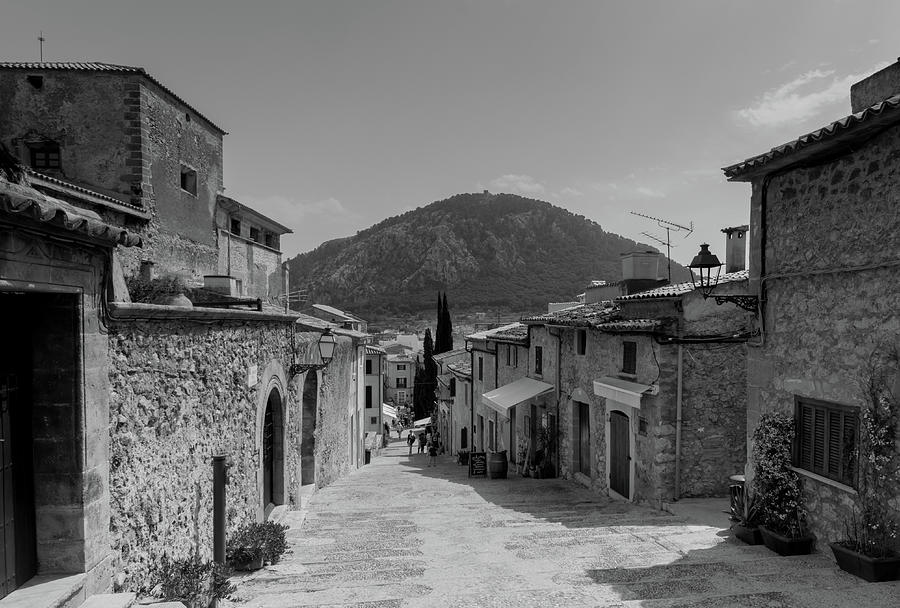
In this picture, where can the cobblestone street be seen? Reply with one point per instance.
(397, 533)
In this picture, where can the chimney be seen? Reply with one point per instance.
(876, 88)
(640, 265)
(735, 248)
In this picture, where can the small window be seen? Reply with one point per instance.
(368, 367)
(45, 156)
(629, 358)
(254, 234)
(36, 81)
(581, 341)
(188, 180)
(373, 420)
(825, 439)
(401, 367)
(236, 226)
(538, 360)
(480, 368)
(401, 383)
(453, 387)
(271, 241)
(368, 396)
(401, 397)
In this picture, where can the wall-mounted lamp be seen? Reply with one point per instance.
(705, 282)
(326, 353)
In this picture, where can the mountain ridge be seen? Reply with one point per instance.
(500, 251)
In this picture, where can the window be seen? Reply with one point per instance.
(236, 226)
(188, 180)
(368, 367)
(629, 358)
(512, 356)
(401, 397)
(825, 439)
(373, 420)
(581, 341)
(480, 368)
(401, 383)
(401, 367)
(36, 81)
(538, 360)
(271, 240)
(368, 396)
(45, 156)
(254, 234)
(453, 387)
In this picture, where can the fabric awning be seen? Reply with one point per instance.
(514, 393)
(389, 411)
(620, 390)
(422, 422)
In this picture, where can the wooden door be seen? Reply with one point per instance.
(619, 454)
(268, 457)
(584, 439)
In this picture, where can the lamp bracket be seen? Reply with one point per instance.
(748, 303)
(300, 368)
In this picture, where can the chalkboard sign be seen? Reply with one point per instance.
(478, 464)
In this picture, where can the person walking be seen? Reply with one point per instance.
(432, 454)
(421, 442)
(410, 440)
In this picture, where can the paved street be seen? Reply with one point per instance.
(396, 533)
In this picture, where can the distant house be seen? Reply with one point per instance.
(399, 379)
(460, 433)
(824, 248)
(338, 317)
(374, 389)
(651, 391)
(447, 386)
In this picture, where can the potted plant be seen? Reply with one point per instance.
(783, 521)
(745, 513)
(191, 581)
(543, 455)
(870, 549)
(256, 544)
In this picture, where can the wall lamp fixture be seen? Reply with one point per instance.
(326, 353)
(704, 263)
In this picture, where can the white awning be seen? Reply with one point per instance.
(620, 390)
(389, 411)
(514, 393)
(422, 422)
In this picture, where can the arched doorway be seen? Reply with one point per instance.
(308, 432)
(273, 452)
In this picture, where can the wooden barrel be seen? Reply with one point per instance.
(497, 465)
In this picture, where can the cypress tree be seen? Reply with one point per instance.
(447, 326)
(430, 375)
(439, 332)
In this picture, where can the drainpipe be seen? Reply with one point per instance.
(678, 425)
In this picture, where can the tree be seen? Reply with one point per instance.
(447, 325)
(439, 346)
(430, 375)
(420, 407)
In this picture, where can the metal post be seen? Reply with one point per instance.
(219, 509)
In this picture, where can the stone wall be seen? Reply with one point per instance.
(257, 267)
(181, 392)
(832, 233)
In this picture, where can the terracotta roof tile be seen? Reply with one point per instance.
(678, 289)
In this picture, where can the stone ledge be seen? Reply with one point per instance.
(825, 480)
(128, 311)
(47, 591)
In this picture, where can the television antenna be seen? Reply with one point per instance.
(669, 227)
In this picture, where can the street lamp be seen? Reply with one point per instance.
(704, 263)
(327, 343)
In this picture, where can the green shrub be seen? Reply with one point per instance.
(150, 291)
(255, 540)
(192, 580)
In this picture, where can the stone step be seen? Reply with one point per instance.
(109, 600)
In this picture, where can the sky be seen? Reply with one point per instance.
(343, 113)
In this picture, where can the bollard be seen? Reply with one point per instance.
(219, 509)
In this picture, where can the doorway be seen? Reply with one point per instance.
(273, 452)
(308, 432)
(619, 454)
(584, 438)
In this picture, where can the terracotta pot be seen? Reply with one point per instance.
(872, 569)
(749, 534)
(785, 545)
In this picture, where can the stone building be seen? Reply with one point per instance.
(445, 395)
(399, 379)
(374, 390)
(824, 245)
(651, 391)
(460, 435)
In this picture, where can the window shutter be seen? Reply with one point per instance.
(806, 435)
(848, 447)
(834, 442)
(818, 456)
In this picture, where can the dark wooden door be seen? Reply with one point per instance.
(584, 439)
(268, 457)
(619, 458)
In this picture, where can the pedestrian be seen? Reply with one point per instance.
(437, 441)
(399, 429)
(421, 442)
(432, 454)
(410, 440)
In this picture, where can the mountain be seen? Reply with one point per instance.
(497, 251)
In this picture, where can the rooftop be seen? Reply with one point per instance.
(229, 204)
(509, 329)
(450, 353)
(374, 350)
(108, 68)
(679, 289)
(461, 368)
(583, 315)
(841, 133)
(331, 310)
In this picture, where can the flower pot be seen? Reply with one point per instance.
(872, 569)
(749, 534)
(785, 545)
(248, 565)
